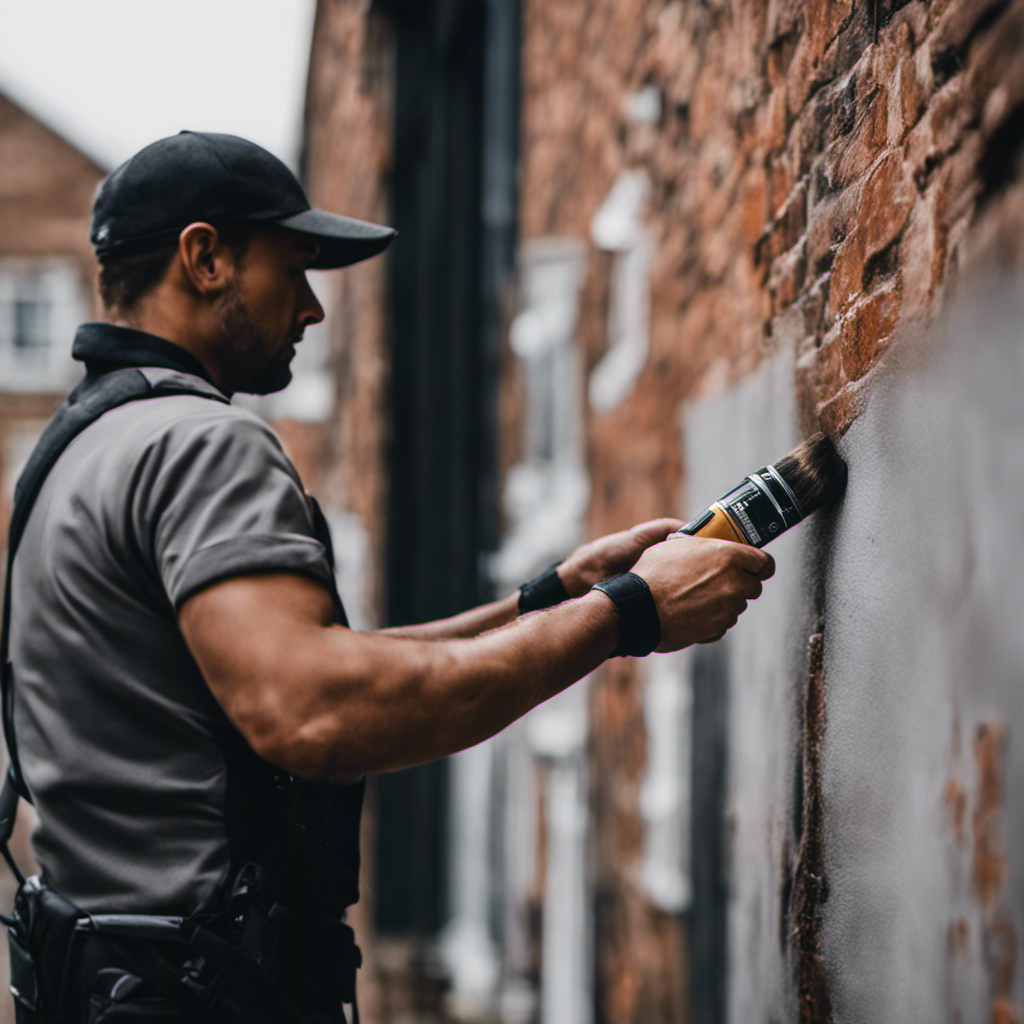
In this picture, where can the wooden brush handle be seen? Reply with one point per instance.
(721, 527)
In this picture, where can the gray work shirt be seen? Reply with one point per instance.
(117, 730)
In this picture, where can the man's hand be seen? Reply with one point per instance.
(701, 586)
(612, 554)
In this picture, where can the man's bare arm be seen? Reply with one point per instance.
(326, 702)
(587, 565)
(465, 624)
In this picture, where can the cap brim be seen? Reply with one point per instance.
(343, 240)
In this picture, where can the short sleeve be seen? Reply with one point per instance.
(219, 498)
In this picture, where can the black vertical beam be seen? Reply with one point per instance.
(708, 952)
(440, 462)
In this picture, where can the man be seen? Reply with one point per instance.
(192, 716)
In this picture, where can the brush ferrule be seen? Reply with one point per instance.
(761, 507)
(780, 480)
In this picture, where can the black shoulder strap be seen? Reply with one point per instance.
(94, 396)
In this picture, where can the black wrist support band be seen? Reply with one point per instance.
(639, 626)
(543, 591)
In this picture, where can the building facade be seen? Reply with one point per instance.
(732, 224)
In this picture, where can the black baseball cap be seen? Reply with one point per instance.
(202, 176)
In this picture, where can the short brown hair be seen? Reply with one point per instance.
(126, 276)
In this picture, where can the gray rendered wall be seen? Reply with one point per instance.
(874, 819)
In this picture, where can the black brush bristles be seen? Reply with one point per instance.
(814, 471)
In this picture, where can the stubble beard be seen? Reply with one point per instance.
(256, 373)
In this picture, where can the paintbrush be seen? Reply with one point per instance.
(771, 500)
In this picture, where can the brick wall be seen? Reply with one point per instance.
(347, 156)
(46, 190)
(821, 175)
(346, 160)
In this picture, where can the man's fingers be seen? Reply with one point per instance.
(655, 530)
(755, 561)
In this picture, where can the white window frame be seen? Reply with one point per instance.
(546, 492)
(61, 287)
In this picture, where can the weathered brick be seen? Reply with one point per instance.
(951, 110)
(781, 179)
(907, 100)
(836, 414)
(828, 225)
(885, 55)
(955, 25)
(822, 22)
(790, 222)
(995, 59)
(824, 362)
(845, 283)
(850, 160)
(754, 205)
(776, 119)
(866, 331)
(788, 276)
(885, 202)
(819, 369)
(922, 252)
(956, 183)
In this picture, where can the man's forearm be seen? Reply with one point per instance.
(373, 702)
(465, 624)
(324, 701)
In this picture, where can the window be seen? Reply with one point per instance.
(546, 493)
(42, 302)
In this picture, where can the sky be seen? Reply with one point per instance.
(113, 75)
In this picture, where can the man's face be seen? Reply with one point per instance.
(265, 309)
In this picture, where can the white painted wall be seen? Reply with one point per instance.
(920, 583)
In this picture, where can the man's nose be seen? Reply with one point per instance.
(311, 310)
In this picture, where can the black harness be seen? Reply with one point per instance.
(273, 947)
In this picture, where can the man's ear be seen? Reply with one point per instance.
(205, 260)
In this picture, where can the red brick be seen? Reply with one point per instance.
(888, 51)
(754, 205)
(781, 179)
(995, 59)
(885, 203)
(845, 283)
(790, 223)
(951, 111)
(788, 276)
(823, 365)
(836, 414)
(850, 158)
(954, 23)
(914, 86)
(776, 119)
(955, 184)
(828, 224)
(822, 21)
(866, 331)
(922, 252)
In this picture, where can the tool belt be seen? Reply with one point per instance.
(274, 967)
